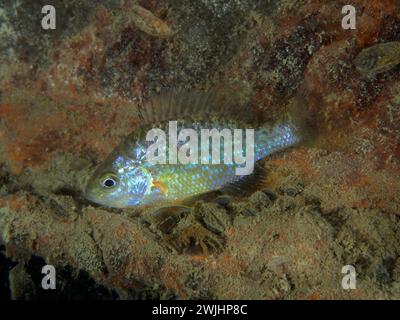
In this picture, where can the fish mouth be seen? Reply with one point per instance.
(90, 195)
(100, 199)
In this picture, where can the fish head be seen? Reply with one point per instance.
(119, 182)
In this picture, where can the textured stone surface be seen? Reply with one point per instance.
(68, 96)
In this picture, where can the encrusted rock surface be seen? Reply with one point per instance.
(68, 96)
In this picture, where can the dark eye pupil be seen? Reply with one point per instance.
(109, 183)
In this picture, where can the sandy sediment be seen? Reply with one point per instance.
(68, 97)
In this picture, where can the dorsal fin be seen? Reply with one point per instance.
(179, 103)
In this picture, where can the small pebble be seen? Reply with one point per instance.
(260, 200)
(292, 189)
(224, 201)
(272, 195)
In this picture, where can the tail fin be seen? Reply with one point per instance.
(300, 117)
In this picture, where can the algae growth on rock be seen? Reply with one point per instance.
(68, 97)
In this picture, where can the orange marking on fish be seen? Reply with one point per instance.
(161, 186)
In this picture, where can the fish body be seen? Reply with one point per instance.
(139, 182)
(378, 58)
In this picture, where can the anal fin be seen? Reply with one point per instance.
(247, 184)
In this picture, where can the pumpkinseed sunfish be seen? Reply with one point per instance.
(126, 177)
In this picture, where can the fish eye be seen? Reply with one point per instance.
(109, 181)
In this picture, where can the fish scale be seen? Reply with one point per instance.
(191, 179)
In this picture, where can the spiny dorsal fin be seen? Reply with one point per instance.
(179, 103)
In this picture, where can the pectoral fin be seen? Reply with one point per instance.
(159, 185)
